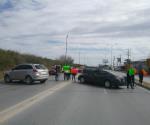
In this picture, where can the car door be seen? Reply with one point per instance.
(15, 73)
(23, 72)
(101, 76)
(20, 72)
(89, 76)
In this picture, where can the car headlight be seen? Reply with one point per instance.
(119, 78)
(37, 74)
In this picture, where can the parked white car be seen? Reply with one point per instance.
(27, 73)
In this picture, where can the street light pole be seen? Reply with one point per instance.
(111, 56)
(66, 48)
(79, 57)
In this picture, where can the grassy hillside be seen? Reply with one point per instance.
(9, 59)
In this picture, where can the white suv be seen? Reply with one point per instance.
(27, 73)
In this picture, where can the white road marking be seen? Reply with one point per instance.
(3, 87)
(12, 111)
(105, 91)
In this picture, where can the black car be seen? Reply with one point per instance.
(101, 77)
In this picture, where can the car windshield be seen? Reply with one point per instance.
(38, 66)
(91, 68)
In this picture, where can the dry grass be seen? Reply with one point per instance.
(1, 75)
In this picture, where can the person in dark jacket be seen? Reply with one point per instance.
(132, 73)
(128, 80)
(141, 74)
(56, 73)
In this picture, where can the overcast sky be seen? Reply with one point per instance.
(95, 26)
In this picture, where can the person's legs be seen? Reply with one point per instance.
(132, 81)
(56, 77)
(69, 76)
(74, 77)
(65, 76)
(128, 81)
(140, 78)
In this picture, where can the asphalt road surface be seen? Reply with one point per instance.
(78, 104)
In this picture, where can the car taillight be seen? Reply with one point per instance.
(34, 70)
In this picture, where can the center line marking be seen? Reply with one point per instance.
(14, 110)
(105, 91)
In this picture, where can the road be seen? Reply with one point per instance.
(79, 104)
(12, 93)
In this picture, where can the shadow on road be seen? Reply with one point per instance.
(99, 86)
(19, 83)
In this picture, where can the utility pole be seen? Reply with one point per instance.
(66, 48)
(120, 60)
(129, 56)
(111, 56)
(84, 58)
(113, 61)
(79, 56)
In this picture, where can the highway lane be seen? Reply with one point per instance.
(13, 93)
(82, 104)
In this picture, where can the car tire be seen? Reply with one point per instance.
(107, 84)
(28, 80)
(82, 80)
(42, 81)
(7, 79)
(117, 86)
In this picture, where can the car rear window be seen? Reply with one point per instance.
(40, 67)
(90, 69)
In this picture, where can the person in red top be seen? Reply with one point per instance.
(74, 72)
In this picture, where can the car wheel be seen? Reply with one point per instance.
(28, 80)
(107, 84)
(82, 80)
(117, 86)
(43, 81)
(7, 79)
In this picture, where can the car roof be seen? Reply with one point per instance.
(27, 64)
(90, 67)
(115, 74)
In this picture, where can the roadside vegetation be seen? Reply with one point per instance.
(8, 59)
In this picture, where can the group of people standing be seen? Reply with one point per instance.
(131, 77)
(70, 72)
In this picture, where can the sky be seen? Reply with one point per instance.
(95, 28)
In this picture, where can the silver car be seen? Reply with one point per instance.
(27, 73)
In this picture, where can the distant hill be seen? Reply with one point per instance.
(9, 59)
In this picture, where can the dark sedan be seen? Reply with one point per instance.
(101, 77)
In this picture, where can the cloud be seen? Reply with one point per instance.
(40, 27)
